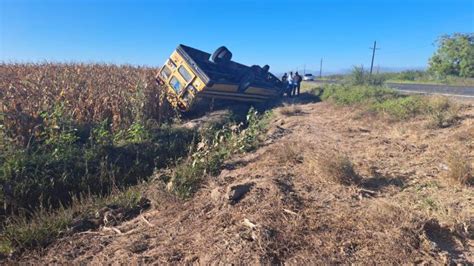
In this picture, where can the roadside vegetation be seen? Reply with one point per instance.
(371, 95)
(216, 144)
(385, 101)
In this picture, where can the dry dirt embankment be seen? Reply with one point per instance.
(281, 203)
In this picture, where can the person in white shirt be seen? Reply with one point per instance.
(291, 84)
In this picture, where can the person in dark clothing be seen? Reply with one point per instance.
(284, 79)
(297, 84)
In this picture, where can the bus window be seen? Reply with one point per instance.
(185, 74)
(174, 82)
(165, 73)
(170, 64)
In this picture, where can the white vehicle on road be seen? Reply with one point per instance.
(308, 77)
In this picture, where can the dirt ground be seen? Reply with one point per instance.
(277, 205)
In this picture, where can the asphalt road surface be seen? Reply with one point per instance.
(458, 91)
(434, 89)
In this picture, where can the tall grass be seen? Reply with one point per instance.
(66, 129)
(88, 93)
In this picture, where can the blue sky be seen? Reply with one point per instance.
(284, 34)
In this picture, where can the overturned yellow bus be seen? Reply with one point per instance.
(190, 74)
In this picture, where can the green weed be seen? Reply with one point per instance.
(401, 108)
(349, 95)
(214, 147)
(441, 111)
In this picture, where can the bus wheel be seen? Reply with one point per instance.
(221, 55)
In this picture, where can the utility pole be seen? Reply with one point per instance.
(304, 70)
(321, 68)
(373, 55)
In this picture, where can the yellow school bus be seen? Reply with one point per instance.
(190, 74)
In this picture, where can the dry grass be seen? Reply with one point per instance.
(288, 152)
(339, 168)
(460, 169)
(290, 110)
(442, 111)
(465, 136)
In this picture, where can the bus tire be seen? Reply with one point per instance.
(221, 55)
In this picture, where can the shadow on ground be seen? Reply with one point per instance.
(378, 183)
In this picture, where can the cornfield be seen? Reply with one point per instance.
(88, 93)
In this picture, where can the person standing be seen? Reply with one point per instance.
(297, 84)
(290, 84)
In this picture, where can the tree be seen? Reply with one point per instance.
(455, 56)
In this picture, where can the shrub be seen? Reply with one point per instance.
(361, 77)
(460, 169)
(411, 75)
(288, 152)
(442, 111)
(339, 168)
(348, 95)
(357, 76)
(401, 108)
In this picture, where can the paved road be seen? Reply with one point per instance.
(459, 91)
(434, 89)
